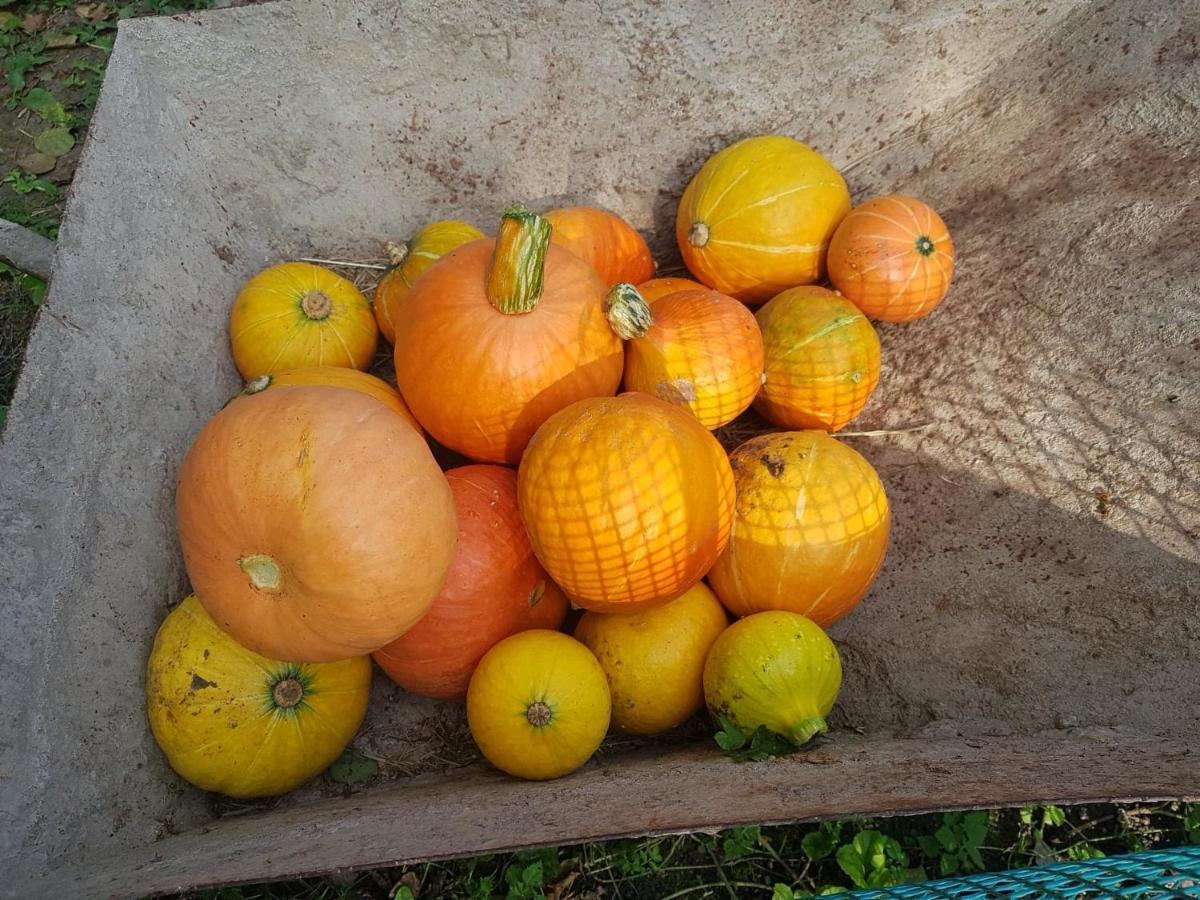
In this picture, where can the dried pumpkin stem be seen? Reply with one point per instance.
(627, 311)
(396, 253)
(316, 305)
(514, 276)
(257, 385)
(539, 714)
(807, 729)
(287, 693)
(698, 235)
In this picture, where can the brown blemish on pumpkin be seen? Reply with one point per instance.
(535, 596)
(677, 390)
(773, 464)
(206, 653)
(199, 684)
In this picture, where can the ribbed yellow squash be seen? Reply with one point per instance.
(758, 217)
(241, 724)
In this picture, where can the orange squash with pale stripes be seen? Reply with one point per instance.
(603, 240)
(337, 376)
(657, 288)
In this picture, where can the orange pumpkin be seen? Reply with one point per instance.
(297, 542)
(491, 591)
(627, 501)
(695, 348)
(822, 360)
(605, 241)
(810, 531)
(409, 261)
(893, 258)
(499, 335)
(337, 376)
(655, 288)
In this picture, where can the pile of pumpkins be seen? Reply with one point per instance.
(319, 532)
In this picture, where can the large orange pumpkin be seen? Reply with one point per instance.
(698, 349)
(499, 335)
(336, 376)
(822, 360)
(656, 288)
(810, 531)
(605, 241)
(893, 258)
(297, 542)
(627, 501)
(491, 591)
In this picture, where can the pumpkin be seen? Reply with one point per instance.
(821, 360)
(893, 258)
(777, 670)
(810, 529)
(295, 315)
(538, 705)
(297, 541)
(655, 288)
(337, 376)
(627, 501)
(697, 349)
(409, 260)
(654, 659)
(605, 241)
(499, 335)
(241, 724)
(490, 592)
(758, 216)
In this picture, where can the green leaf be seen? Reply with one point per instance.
(44, 104)
(1026, 815)
(975, 827)
(404, 892)
(929, 845)
(730, 737)
(832, 889)
(741, 842)
(946, 836)
(783, 892)
(817, 845)
(34, 286)
(948, 864)
(850, 860)
(1053, 815)
(764, 744)
(353, 768)
(55, 142)
(17, 64)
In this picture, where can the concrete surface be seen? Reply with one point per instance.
(26, 250)
(1043, 572)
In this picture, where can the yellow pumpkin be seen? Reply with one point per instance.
(654, 659)
(538, 705)
(758, 217)
(241, 724)
(296, 315)
(775, 669)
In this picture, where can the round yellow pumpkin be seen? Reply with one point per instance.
(654, 659)
(538, 705)
(241, 724)
(758, 217)
(296, 315)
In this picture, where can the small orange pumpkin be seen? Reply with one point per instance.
(655, 288)
(627, 501)
(336, 376)
(893, 258)
(694, 348)
(810, 531)
(408, 262)
(822, 359)
(499, 335)
(605, 241)
(297, 542)
(491, 591)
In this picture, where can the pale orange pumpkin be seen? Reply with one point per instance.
(605, 241)
(656, 288)
(627, 501)
(499, 335)
(492, 590)
(337, 376)
(297, 542)
(893, 258)
(698, 349)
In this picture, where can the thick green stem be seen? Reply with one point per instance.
(628, 312)
(514, 277)
(807, 729)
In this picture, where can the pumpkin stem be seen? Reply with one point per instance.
(806, 729)
(924, 245)
(515, 274)
(396, 253)
(287, 693)
(698, 236)
(627, 311)
(262, 571)
(257, 385)
(535, 596)
(539, 714)
(316, 305)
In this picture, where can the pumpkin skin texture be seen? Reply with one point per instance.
(822, 360)
(490, 592)
(241, 724)
(482, 380)
(409, 261)
(775, 669)
(538, 705)
(697, 349)
(893, 258)
(627, 501)
(656, 288)
(758, 216)
(296, 315)
(336, 376)
(296, 540)
(605, 241)
(810, 531)
(654, 659)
